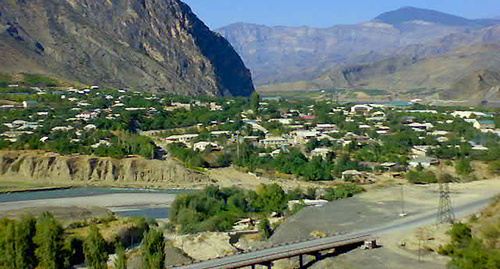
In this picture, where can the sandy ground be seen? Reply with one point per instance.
(113, 202)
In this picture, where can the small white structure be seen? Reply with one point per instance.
(201, 146)
(361, 109)
(423, 161)
(274, 141)
(182, 138)
(29, 104)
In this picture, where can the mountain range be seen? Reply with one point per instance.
(401, 50)
(145, 45)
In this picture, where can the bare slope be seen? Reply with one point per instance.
(123, 43)
(289, 54)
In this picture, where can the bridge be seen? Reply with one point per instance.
(266, 257)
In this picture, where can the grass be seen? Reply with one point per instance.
(17, 186)
(375, 92)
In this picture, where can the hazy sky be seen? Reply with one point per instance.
(324, 13)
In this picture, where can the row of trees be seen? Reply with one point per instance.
(121, 143)
(42, 243)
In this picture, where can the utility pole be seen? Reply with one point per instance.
(445, 209)
(403, 213)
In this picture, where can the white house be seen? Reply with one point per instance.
(182, 138)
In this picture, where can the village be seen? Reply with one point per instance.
(93, 118)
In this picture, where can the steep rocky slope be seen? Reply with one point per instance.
(288, 54)
(146, 44)
(459, 66)
(47, 168)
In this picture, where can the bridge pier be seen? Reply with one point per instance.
(301, 262)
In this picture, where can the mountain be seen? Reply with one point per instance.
(412, 14)
(146, 44)
(288, 54)
(470, 73)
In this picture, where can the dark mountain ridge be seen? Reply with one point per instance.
(147, 44)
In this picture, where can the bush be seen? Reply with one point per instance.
(468, 251)
(463, 167)
(265, 228)
(153, 250)
(421, 177)
(342, 191)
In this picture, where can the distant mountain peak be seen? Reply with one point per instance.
(409, 14)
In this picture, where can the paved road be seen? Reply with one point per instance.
(406, 223)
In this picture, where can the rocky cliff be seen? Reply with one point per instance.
(140, 44)
(288, 54)
(48, 168)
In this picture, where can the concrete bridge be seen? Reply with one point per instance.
(266, 257)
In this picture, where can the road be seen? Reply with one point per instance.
(402, 224)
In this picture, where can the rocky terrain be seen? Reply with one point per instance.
(49, 168)
(142, 45)
(288, 54)
(409, 49)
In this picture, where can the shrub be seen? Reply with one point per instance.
(421, 177)
(342, 191)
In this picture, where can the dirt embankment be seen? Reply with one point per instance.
(49, 168)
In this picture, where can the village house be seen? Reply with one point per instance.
(30, 104)
(185, 138)
(422, 161)
(320, 152)
(468, 114)
(282, 121)
(325, 127)
(361, 109)
(302, 136)
(203, 145)
(274, 141)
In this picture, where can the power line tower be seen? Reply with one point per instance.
(445, 210)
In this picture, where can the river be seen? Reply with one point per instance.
(126, 202)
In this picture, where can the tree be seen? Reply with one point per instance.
(265, 228)
(153, 250)
(25, 247)
(49, 239)
(94, 248)
(255, 102)
(121, 259)
(7, 243)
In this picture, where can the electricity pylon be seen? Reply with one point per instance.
(445, 210)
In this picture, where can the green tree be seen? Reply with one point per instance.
(265, 228)
(153, 250)
(94, 248)
(121, 259)
(255, 102)
(8, 243)
(49, 239)
(25, 247)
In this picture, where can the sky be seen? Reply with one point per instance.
(325, 13)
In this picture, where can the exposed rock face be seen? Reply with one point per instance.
(30, 166)
(141, 44)
(289, 54)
